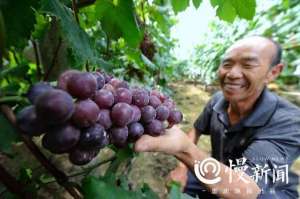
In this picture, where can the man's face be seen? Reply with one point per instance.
(243, 72)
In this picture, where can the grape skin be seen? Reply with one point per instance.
(118, 136)
(37, 90)
(61, 139)
(28, 122)
(86, 113)
(162, 112)
(148, 114)
(104, 118)
(104, 98)
(121, 114)
(82, 85)
(54, 106)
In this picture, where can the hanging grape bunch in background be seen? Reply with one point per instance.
(87, 111)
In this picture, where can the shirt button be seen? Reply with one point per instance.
(225, 131)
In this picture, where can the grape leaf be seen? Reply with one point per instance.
(19, 20)
(118, 20)
(8, 135)
(245, 9)
(40, 27)
(175, 192)
(226, 11)
(77, 38)
(179, 5)
(197, 3)
(215, 3)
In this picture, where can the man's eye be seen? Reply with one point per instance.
(248, 66)
(226, 65)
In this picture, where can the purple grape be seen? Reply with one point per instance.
(154, 101)
(37, 90)
(28, 122)
(110, 88)
(148, 114)
(104, 118)
(121, 114)
(107, 77)
(135, 131)
(140, 97)
(155, 128)
(116, 83)
(175, 117)
(169, 103)
(158, 94)
(100, 80)
(62, 139)
(82, 85)
(123, 95)
(86, 113)
(162, 112)
(104, 98)
(64, 78)
(136, 116)
(118, 136)
(79, 156)
(54, 106)
(94, 137)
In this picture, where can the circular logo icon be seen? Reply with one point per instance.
(208, 165)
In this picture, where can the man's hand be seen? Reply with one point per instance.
(173, 142)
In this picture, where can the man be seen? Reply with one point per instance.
(255, 134)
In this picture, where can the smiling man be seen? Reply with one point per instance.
(255, 134)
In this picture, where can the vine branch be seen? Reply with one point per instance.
(60, 177)
(37, 59)
(12, 184)
(75, 11)
(48, 72)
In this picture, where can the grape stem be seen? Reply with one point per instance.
(11, 99)
(48, 72)
(60, 176)
(12, 184)
(88, 170)
(75, 11)
(84, 3)
(37, 58)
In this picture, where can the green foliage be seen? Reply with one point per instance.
(18, 20)
(8, 135)
(226, 11)
(179, 5)
(245, 9)
(77, 38)
(197, 3)
(118, 20)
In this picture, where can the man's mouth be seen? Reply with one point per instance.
(233, 87)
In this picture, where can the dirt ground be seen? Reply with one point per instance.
(150, 168)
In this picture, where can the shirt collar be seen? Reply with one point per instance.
(264, 108)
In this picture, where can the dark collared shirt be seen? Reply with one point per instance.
(264, 144)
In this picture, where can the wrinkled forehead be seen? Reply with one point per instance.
(256, 47)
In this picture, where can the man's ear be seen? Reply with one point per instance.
(274, 72)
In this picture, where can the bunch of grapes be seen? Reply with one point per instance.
(87, 111)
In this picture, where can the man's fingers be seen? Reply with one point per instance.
(146, 143)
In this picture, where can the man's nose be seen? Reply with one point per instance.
(234, 73)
